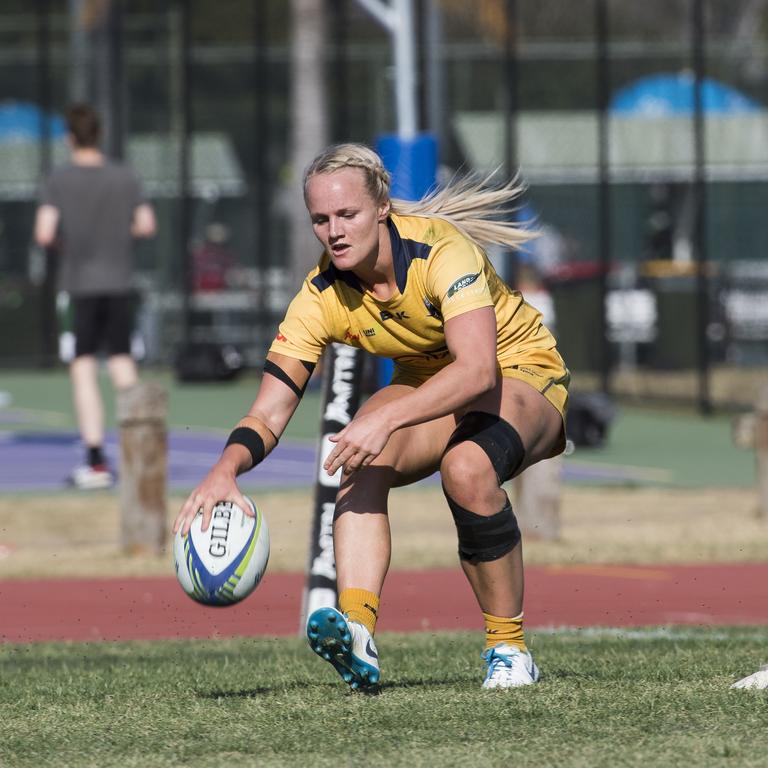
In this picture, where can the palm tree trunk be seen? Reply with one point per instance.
(309, 124)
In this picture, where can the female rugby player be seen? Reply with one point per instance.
(479, 393)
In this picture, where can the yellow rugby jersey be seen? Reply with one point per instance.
(440, 274)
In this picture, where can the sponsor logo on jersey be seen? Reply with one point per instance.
(369, 331)
(393, 315)
(349, 336)
(461, 283)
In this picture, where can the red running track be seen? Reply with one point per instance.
(574, 596)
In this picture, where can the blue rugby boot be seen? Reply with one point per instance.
(509, 667)
(347, 645)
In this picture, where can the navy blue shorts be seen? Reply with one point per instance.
(103, 324)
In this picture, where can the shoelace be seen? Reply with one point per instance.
(494, 658)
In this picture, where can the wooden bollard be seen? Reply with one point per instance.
(761, 452)
(537, 499)
(142, 412)
(750, 430)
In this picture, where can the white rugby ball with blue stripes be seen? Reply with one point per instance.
(224, 564)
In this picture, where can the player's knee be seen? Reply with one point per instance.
(468, 477)
(500, 441)
(483, 538)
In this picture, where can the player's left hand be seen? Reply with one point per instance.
(358, 444)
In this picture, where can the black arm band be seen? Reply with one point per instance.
(251, 439)
(279, 373)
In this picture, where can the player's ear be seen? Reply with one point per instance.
(384, 210)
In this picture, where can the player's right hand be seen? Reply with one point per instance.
(218, 485)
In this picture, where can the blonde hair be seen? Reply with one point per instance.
(473, 204)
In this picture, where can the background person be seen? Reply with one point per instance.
(479, 393)
(213, 259)
(90, 209)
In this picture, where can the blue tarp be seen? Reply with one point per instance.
(21, 121)
(673, 94)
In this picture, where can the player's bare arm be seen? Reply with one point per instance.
(278, 397)
(471, 340)
(46, 223)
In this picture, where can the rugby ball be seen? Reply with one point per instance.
(224, 564)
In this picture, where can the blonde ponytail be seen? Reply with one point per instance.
(476, 207)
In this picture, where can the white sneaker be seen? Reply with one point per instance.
(347, 645)
(758, 680)
(509, 667)
(88, 478)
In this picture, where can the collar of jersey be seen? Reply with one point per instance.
(404, 251)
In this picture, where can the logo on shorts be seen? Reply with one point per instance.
(280, 337)
(462, 282)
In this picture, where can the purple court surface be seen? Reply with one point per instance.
(42, 460)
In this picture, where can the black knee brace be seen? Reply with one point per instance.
(484, 538)
(498, 438)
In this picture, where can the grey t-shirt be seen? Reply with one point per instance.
(96, 206)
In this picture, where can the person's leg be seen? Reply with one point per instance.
(123, 371)
(94, 473)
(88, 320)
(472, 473)
(118, 327)
(86, 395)
(469, 479)
(361, 525)
(362, 543)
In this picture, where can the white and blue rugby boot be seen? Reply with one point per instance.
(509, 667)
(347, 644)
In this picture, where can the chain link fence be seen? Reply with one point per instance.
(639, 130)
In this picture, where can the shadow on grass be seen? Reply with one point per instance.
(450, 681)
(397, 685)
(261, 690)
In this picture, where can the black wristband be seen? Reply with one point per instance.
(251, 439)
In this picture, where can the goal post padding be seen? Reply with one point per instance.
(341, 392)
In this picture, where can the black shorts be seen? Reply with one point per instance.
(103, 324)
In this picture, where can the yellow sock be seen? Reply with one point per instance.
(501, 630)
(360, 605)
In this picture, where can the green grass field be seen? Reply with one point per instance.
(638, 698)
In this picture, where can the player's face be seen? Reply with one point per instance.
(345, 218)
